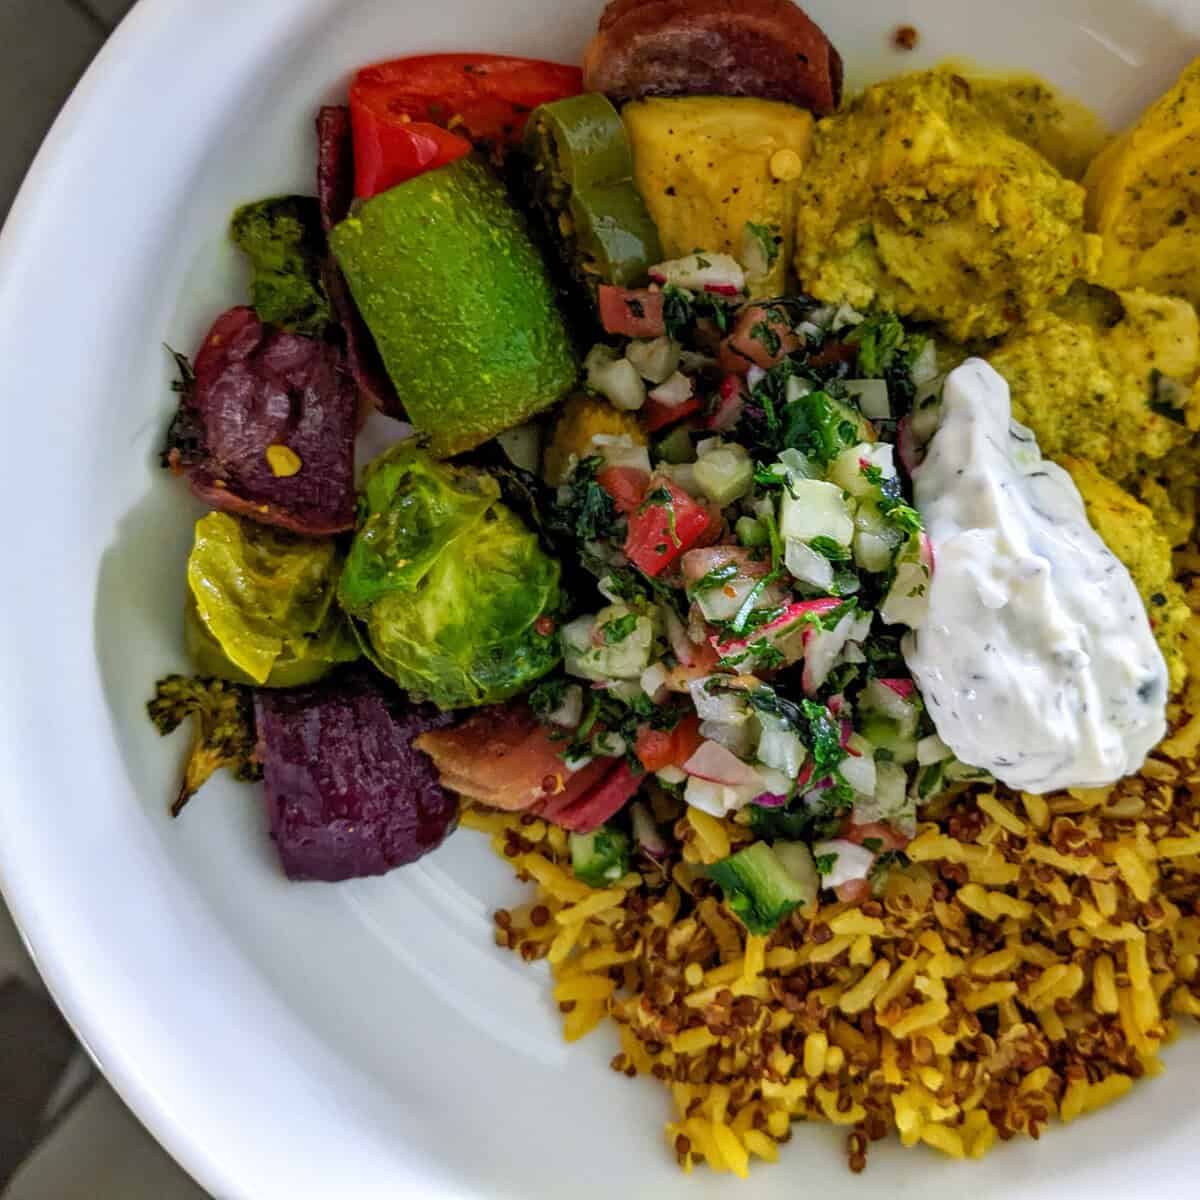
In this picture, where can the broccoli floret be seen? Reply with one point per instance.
(223, 732)
(760, 889)
(600, 858)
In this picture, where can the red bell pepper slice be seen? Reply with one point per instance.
(667, 522)
(405, 112)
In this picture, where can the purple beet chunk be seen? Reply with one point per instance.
(347, 792)
(335, 194)
(258, 387)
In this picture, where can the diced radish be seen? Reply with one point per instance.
(860, 774)
(821, 650)
(847, 735)
(903, 688)
(794, 619)
(674, 391)
(850, 861)
(770, 800)
(779, 747)
(719, 274)
(729, 405)
(682, 646)
(645, 831)
(714, 763)
(926, 552)
(632, 313)
(894, 703)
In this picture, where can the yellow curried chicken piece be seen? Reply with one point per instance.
(916, 201)
(1144, 197)
(1130, 531)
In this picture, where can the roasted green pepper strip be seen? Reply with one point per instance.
(583, 185)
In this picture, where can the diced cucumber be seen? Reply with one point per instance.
(907, 601)
(814, 508)
(809, 567)
(752, 533)
(759, 888)
(616, 643)
(854, 470)
(798, 861)
(601, 858)
(725, 473)
(677, 447)
(616, 379)
(871, 396)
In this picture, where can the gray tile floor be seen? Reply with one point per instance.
(64, 1135)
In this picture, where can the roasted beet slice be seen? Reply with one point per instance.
(348, 794)
(764, 48)
(278, 414)
(335, 193)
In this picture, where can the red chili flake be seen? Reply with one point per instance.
(544, 626)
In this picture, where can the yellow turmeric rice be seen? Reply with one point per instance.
(1027, 964)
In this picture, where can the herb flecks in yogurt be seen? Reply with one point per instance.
(1036, 659)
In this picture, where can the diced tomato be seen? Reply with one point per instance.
(762, 337)
(656, 415)
(666, 523)
(635, 313)
(402, 111)
(626, 486)
(659, 748)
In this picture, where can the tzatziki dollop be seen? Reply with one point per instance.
(1036, 658)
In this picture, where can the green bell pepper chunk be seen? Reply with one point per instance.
(583, 186)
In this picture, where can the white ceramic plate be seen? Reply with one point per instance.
(363, 1040)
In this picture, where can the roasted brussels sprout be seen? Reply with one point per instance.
(451, 594)
(261, 604)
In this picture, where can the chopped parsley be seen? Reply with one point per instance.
(834, 551)
(767, 336)
(618, 629)
(825, 863)
(548, 696)
(588, 512)
(716, 578)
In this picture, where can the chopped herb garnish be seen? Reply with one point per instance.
(618, 629)
(828, 548)
(825, 863)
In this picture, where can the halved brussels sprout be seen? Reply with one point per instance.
(261, 605)
(452, 595)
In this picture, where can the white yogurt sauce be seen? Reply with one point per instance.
(1036, 659)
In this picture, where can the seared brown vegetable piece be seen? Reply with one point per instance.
(765, 48)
